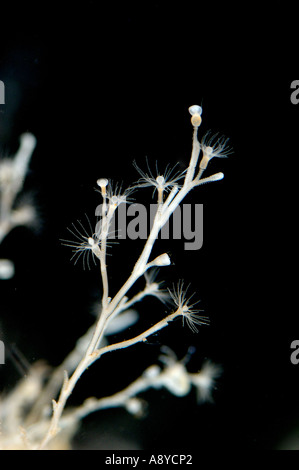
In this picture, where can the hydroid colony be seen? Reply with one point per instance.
(35, 414)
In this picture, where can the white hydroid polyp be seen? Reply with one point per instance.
(176, 379)
(163, 182)
(195, 109)
(24, 153)
(195, 112)
(213, 147)
(7, 269)
(116, 195)
(154, 287)
(209, 179)
(83, 243)
(204, 380)
(28, 141)
(160, 180)
(182, 302)
(162, 260)
(102, 182)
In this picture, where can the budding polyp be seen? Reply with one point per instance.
(195, 109)
(91, 241)
(207, 155)
(196, 120)
(102, 182)
(162, 260)
(195, 112)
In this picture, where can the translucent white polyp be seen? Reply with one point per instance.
(162, 260)
(7, 269)
(28, 142)
(195, 109)
(102, 182)
(160, 180)
(176, 380)
(23, 155)
(217, 176)
(134, 406)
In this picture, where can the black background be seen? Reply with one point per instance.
(101, 86)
